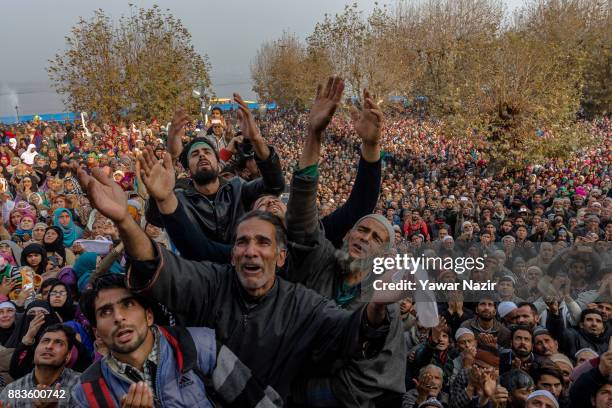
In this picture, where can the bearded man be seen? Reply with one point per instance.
(211, 202)
(345, 274)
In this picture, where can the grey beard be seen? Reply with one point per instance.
(350, 265)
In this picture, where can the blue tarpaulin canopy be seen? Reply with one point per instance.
(45, 117)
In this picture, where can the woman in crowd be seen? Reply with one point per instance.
(35, 256)
(62, 218)
(54, 244)
(60, 299)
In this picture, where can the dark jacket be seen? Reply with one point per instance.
(217, 218)
(506, 357)
(274, 335)
(193, 244)
(571, 340)
(409, 399)
(313, 264)
(454, 321)
(426, 353)
(500, 331)
(585, 387)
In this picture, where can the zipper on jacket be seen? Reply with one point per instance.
(214, 211)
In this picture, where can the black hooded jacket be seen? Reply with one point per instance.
(217, 217)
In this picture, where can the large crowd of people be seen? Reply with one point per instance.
(228, 262)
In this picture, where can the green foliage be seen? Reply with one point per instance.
(487, 75)
(145, 65)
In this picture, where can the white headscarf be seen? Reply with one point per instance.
(29, 155)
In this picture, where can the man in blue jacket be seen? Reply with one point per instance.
(151, 365)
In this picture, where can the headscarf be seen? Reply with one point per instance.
(67, 311)
(56, 246)
(53, 171)
(76, 189)
(29, 155)
(35, 248)
(83, 268)
(21, 232)
(11, 228)
(22, 326)
(5, 334)
(15, 259)
(91, 219)
(40, 224)
(85, 265)
(34, 182)
(71, 231)
(24, 207)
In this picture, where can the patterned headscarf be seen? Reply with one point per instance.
(76, 189)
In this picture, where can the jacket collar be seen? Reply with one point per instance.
(249, 303)
(190, 190)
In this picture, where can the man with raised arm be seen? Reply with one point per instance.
(342, 275)
(194, 243)
(273, 326)
(211, 202)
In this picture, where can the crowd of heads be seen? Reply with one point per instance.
(544, 232)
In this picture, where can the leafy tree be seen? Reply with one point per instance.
(145, 66)
(284, 71)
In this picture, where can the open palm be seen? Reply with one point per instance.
(176, 132)
(325, 104)
(158, 176)
(105, 195)
(368, 121)
(248, 125)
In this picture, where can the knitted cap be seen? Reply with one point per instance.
(504, 308)
(543, 393)
(385, 222)
(461, 331)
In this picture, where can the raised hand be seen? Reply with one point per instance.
(158, 176)
(7, 286)
(605, 361)
(105, 195)
(605, 287)
(250, 130)
(469, 355)
(33, 329)
(176, 133)
(325, 105)
(553, 305)
(249, 127)
(487, 339)
(23, 295)
(500, 397)
(368, 121)
(139, 396)
(489, 384)
(437, 331)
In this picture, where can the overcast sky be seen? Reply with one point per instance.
(230, 33)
